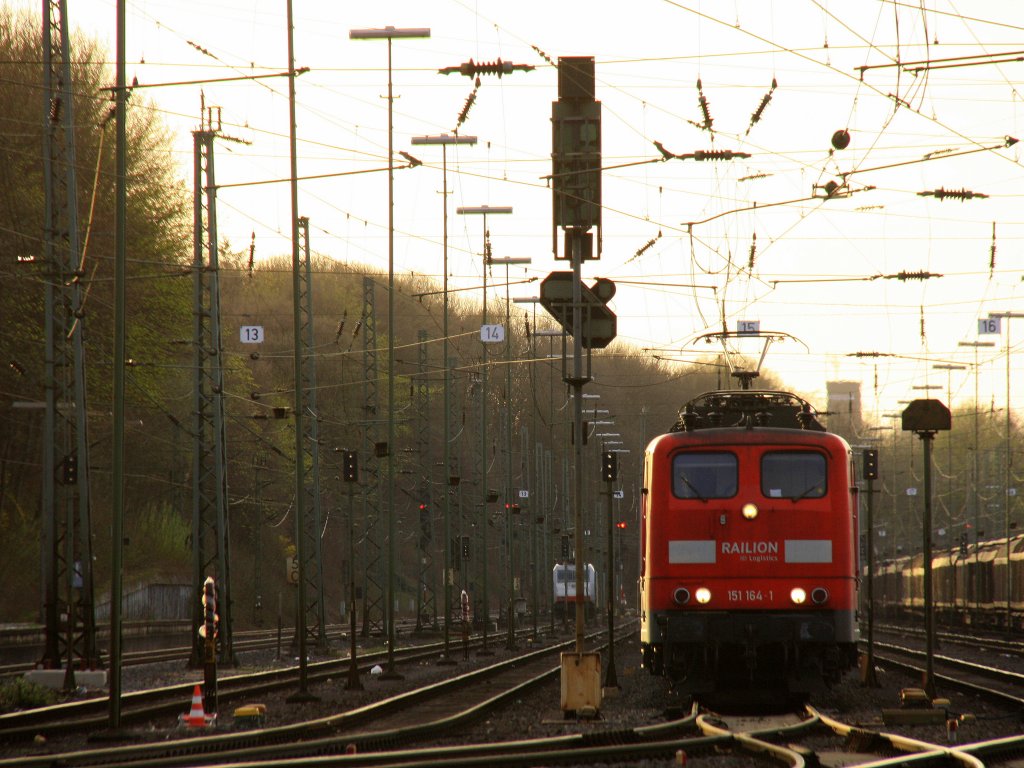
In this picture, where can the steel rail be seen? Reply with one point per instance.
(277, 741)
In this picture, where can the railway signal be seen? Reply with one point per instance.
(600, 324)
(609, 466)
(350, 467)
(208, 630)
(870, 463)
(70, 476)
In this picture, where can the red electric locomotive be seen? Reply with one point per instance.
(749, 547)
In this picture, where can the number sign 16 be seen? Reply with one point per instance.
(990, 325)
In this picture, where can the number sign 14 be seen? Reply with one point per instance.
(492, 334)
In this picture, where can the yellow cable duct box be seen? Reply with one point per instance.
(581, 682)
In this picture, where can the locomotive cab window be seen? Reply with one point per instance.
(793, 475)
(704, 475)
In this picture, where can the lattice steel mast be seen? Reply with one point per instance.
(373, 592)
(311, 524)
(210, 556)
(426, 598)
(67, 553)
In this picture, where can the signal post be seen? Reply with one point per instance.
(610, 473)
(581, 311)
(208, 632)
(924, 418)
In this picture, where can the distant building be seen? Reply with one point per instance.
(844, 414)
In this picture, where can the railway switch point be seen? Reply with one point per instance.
(913, 716)
(914, 698)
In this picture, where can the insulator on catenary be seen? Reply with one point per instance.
(474, 69)
(765, 100)
(919, 275)
(954, 194)
(470, 101)
(718, 154)
(753, 251)
(543, 55)
(704, 109)
(252, 252)
(992, 252)
(646, 247)
(355, 333)
(341, 326)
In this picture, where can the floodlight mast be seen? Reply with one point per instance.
(390, 34)
(444, 140)
(975, 469)
(1009, 459)
(509, 527)
(484, 211)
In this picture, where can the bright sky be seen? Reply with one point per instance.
(823, 270)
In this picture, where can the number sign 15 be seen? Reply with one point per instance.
(752, 327)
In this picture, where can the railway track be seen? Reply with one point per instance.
(389, 732)
(145, 705)
(425, 712)
(245, 641)
(982, 642)
(1000, 684)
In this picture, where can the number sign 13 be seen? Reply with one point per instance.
(251, 334)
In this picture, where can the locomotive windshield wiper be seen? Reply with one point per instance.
(692, 487)
(811, 489)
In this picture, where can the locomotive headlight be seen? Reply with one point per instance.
(703, 595)
(819, 595)
(798, 595)
(749, 511)
(681, 596)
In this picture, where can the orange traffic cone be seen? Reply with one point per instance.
(196, 716)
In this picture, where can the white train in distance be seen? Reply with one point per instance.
(563, 587)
